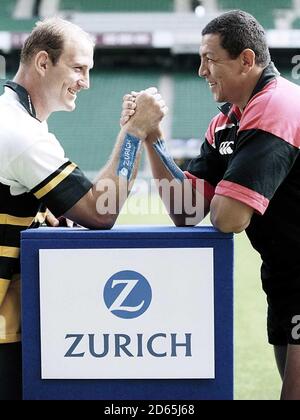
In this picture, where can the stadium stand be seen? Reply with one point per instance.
(7, 23)
(118, 6)
(7, 7)
(16, 25)
(296, 23)
(193, 106)
(289, 75)
(88, 134)
(263, 12)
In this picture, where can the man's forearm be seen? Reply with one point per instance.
(185, 205)
(115, 180)
(100, 207)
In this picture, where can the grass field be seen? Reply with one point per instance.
(255, 375)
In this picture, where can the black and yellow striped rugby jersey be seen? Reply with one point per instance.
(253, 157)
(34, 175)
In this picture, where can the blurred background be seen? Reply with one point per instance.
(142, 43)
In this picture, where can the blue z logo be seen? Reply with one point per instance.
(127, 294)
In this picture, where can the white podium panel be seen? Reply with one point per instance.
(127, 313)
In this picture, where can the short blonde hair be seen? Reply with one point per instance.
(50, 35)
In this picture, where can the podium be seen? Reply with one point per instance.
(131, 313)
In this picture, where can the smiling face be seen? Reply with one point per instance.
(69, 75)
(223, 74)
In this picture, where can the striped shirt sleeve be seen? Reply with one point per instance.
(267, 146)
(63, 188)
(208, 165)
(54, 180)
(259, 165)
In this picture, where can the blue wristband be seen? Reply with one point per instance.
(127, 157)
(161, 149)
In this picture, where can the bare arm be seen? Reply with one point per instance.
(185, 205)
(229, 215)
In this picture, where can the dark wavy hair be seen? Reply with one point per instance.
(239, 30)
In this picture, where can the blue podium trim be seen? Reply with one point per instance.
(199, 232)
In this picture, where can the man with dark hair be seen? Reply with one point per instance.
(250, 170)
(35, 174)
(239, 30)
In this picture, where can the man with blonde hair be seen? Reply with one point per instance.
(34, 173)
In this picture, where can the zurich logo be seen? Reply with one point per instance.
(127, 294)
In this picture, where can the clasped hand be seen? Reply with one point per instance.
(138, 104)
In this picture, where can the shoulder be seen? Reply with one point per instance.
(275, 110)
(19, 132)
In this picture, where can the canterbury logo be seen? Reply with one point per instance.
(225, 148)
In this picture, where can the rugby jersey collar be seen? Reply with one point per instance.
(269, 74)
(232, 112)
(24, 97)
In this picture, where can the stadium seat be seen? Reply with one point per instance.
(117, 5)
(258, 8)
(16, 25)
(88, 134)
(193, 106)
(7, 23)
(296, 23)
(7, 8)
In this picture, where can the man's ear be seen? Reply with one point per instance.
(247, 57)
(41, 62)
